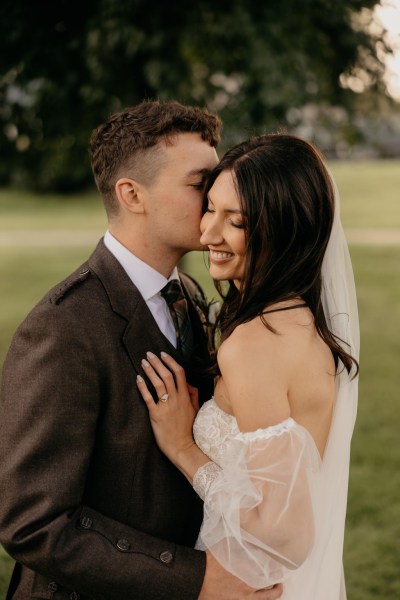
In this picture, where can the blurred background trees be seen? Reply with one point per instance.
(262, 65)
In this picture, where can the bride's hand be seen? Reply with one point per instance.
(173, 415)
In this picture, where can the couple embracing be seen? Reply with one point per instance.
(137, 463)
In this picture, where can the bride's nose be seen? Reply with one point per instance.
(210, 231)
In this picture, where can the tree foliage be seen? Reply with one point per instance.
(65, 67)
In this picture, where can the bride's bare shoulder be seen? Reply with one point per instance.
(255, 378)
(246, 338)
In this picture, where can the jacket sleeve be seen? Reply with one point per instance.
(49, 416)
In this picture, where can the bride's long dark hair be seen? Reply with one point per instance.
(287, 199)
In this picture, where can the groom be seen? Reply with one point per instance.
(89, 507)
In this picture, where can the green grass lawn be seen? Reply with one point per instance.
(373, 522)
(369, 192)
(21, 210)
(369, 199)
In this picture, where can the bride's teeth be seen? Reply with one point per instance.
(220, 254)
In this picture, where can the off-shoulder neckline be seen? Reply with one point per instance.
(286, 423)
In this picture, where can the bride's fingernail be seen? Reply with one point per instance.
(145, 363)
(164, 355)
(150, 355)
(139, 379)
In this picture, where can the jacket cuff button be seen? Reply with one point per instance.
(52, 587)
(166, 557)
(123, 545)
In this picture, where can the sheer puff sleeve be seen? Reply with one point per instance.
(259, 506)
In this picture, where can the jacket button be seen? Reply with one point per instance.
(166, 557)
(52, 587)
(74, 596)
(86, 522)
(123, 545)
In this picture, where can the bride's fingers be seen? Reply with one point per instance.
(194, 397)
(177, 370)
(158, 384)
(144, 390)
(158, 369)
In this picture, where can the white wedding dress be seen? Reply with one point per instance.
(274, 511)
(282, 465)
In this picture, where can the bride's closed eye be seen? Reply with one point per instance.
(237, 225)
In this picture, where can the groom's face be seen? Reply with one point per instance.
(174, 199)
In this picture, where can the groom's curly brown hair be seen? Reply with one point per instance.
(127, 145)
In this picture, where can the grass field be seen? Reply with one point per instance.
(370, 199)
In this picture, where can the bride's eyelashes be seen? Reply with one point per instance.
(237, 225)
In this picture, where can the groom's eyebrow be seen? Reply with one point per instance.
(202, 172)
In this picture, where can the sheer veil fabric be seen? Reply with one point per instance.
(322, 575)
(270, 486)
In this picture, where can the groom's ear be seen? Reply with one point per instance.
(129, 194)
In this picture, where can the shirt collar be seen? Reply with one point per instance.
(148, 281)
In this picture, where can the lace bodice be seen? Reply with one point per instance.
(214, 430)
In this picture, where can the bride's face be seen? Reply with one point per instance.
(222, 230)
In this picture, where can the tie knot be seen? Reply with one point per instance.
(178, 308)
(172, 292)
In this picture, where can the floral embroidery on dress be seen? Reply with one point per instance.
(213, 430)
(204, 477)
(268, 432)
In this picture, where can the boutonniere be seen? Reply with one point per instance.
(213, 309)
(208, 311)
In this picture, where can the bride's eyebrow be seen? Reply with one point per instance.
(234, 211)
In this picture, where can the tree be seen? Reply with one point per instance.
(66, 66)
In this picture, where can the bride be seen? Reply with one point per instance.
(269, 453)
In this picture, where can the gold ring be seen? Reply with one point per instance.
(164, 397)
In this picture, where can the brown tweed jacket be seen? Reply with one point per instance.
(89, 506)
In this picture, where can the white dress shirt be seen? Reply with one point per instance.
(148, 281)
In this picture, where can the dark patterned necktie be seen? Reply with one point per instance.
(173, 295)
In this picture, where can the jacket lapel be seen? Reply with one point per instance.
(141, 332)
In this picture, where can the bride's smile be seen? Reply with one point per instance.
(222, 230)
